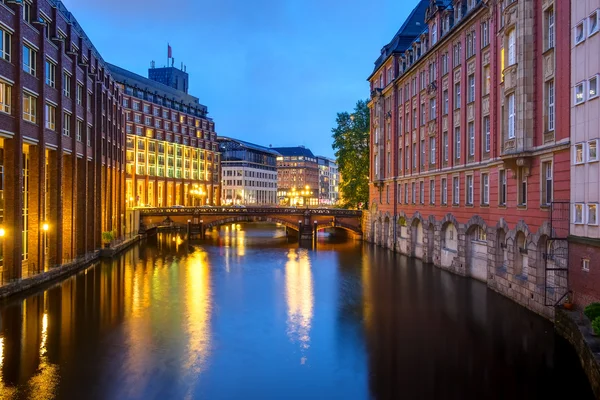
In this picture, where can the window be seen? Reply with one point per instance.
(399, 193)
(89, 135)
(79, 94)
(423, 114)
(579, 93)
(592, 214)
(50, 117)
(29, 108)
(578, 213)
(389, 164)
(445, 144)
(66, 124)
(580, 32)
(414, 118)
(593, 87)
(79, 130)
(432, 191)
(445, 98)
(433, 33)
(66, 84)
(593, 22)
(5, 41)
(485, 189)
(486, 134)
(432, 109)
(5, 97)
(470, 45)
(456, 59)
(400, 125)
(26, 12)
(423, 152)
(486, 80)
(502, 189)
(414, 156)
(432, 150)
(29, 56)
(457, 142)
(471, 128)
(511, 116)
(485, 34)
(578, 156)
(469, 189)
(585, 264)
(407, 155)
(549, 17)
(422, 192)
(471, 93)
(50, 73)
(550, 105)
(522, 187)
(592, 150)
(444, 191)
(547, 179)
(512, 47)
(444, 63)
(414, 193)
(399, 160)
(457, 95)
(406, 193)
(456, 190)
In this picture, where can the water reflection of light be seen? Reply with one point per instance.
(367, 290)
(43, 384)
(299, 296)
(198, 311)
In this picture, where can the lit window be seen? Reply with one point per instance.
(578, 156)
(29, 108)
(578, 213)
(579, 93)
(5, 97)
(592, 214)
(580, 32)
(50, 117)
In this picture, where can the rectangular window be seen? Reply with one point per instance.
(399, 193)
(399, 160)
(592, 146)
(549, 17)
(5, 42)
(471, 128)
(79, 130)
(445, 98)
(469, 189)
(580, 32)
(445, 139)
(579, 93)
(66, 84)
(485, 189)
(502, 188)
(422, 192)
(414, 156)
(550, 105)
(512, 47)
(29, 108)
(5, 97)
(414, 118)
(486, 80)
(432, 109)
(432, 150)
(455, 190)
(423, 114)
(432, 191)
(50, 73)
(457, 95)
(422, 152)
(471, 94)
(547, 179)
(50, 117)
(79, 94)
(593, 22)
(485, 34)
(29, 57)
(585, 264)
(457, 142)
(407, 155)
(593, 87)
(414, 193)
(522, 187)
(592, 214)
(444, 191)
(511, 116)
(579, 155)
(486, 134)
(406, 193)
(66, 124)
(578, 213)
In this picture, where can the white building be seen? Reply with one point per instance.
(329, 181)
(249, 173)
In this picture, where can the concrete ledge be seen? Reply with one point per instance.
(577, 329)
(53, 274)
(110, 252)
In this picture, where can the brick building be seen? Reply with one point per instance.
(584, 243)
(171, 144)
(470, 144)
(297, 172)
(61, 145)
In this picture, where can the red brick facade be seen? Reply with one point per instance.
(436, 172)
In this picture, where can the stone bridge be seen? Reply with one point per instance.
(304, 220)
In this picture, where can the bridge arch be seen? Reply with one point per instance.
(249, 218)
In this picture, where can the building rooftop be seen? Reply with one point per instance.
(294, 151)
(134, 80)
(249, 145)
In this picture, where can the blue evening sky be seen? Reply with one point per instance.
(270, 71)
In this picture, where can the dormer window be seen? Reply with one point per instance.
(470, 4)
(433, 33)
(381, 81)
(457, 11)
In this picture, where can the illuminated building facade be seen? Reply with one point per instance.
(297, 176)
(470, 144)
(329, 181)
(61, 147)
(249, 173)
(172, 152)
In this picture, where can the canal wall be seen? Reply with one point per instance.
(577, 329)
(515, 262)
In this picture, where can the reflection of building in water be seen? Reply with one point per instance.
(299, 296)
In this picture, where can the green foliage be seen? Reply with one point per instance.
(592, 311)
(108, 236)
(351, 145)
(596, 326)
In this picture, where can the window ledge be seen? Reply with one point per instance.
(484, 205)
(522, 207)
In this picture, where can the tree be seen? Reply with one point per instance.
(351, 146)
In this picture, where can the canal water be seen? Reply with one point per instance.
(249, 314)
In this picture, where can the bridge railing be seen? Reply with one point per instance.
(155, 211)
